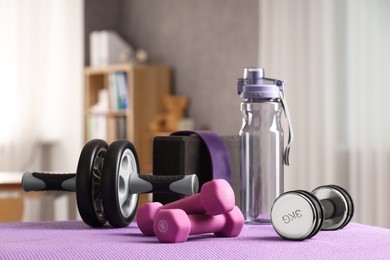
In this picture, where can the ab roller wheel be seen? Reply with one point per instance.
(88, 183)
(122, 162)
(107, 183)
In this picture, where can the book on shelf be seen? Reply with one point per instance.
(107, 48)
(108, 128)
(121, 129)
(118, 90)
(97, 127)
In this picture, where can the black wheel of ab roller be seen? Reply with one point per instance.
(119, 204)
(88, 183)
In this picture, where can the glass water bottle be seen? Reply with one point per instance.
(261, 144)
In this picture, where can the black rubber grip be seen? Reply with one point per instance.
(161, 184)
(37, 181)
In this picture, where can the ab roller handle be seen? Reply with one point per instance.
(188, 185)
(36, 181)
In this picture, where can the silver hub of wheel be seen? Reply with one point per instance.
(127, 201)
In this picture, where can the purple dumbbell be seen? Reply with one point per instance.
(215, 197)
(174, 225)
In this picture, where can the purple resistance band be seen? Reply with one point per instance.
(219, 155)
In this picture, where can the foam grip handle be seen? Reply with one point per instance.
(36, 181)
(183, 184)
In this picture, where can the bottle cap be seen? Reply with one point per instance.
(255, 86)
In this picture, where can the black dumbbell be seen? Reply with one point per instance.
(298, 215)
(107, 183)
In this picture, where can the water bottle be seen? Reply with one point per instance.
(261, 144)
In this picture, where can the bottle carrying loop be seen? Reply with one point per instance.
(286, 156)
(280, 84)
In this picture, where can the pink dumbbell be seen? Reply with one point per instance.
(215, 197)
(174, 225)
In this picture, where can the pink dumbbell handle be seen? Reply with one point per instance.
(191, 205)
(204, 223)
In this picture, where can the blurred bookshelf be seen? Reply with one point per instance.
(122, 100)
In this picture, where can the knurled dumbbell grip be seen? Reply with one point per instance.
(38, 181)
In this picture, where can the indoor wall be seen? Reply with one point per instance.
(207, 43)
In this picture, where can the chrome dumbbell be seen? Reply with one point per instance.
(298, 215)
(107, 183)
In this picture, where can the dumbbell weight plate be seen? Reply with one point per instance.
(296, 215)
(88, 183)
(119, 204)
(342, 202)
(319, 210)
(350, 204)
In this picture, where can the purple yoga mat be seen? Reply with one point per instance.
(76, 240)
